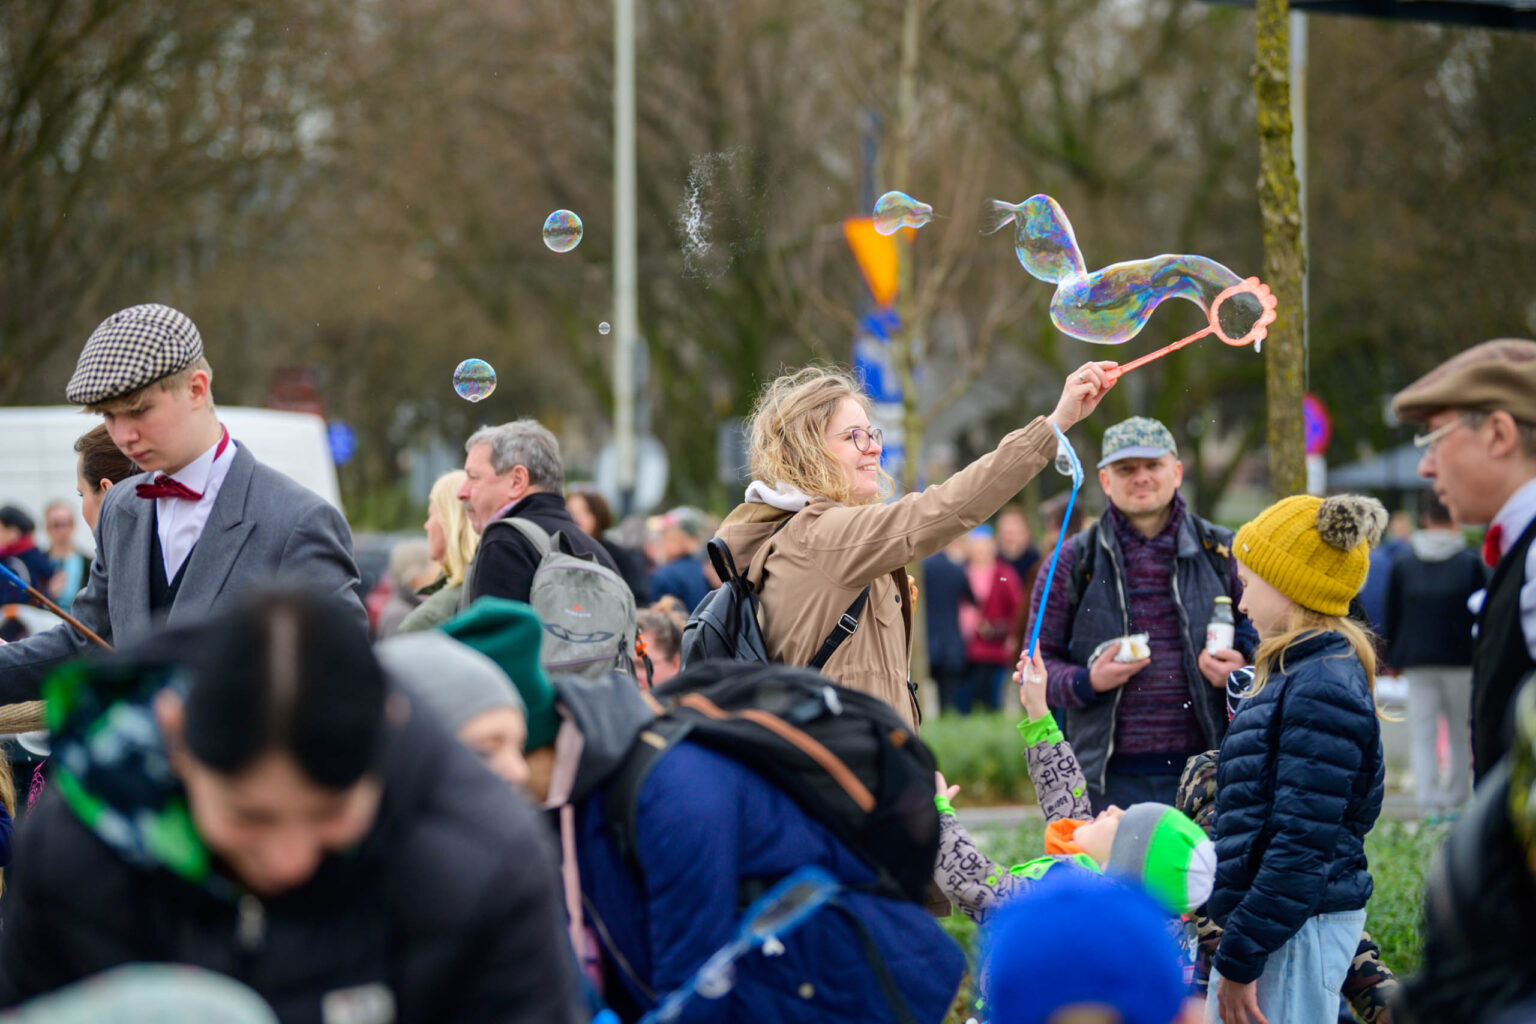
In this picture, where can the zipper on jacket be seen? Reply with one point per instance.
(250, 923)
(1125, 623)
(1197, 696)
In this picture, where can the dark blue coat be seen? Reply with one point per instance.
(705, 823)
(1298, 787)
(945, 587)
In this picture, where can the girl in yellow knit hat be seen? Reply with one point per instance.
(1299, 783)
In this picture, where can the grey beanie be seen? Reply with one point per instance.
(454, 681)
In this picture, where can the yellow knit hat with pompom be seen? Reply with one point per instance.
(1315, 551)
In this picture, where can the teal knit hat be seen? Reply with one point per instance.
(1167, 853)
(510, 634)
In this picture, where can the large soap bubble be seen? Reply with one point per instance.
(474, 380)
(562, 231)
(897, 210)
(1112, 305)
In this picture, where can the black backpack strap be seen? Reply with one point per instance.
(888, 987)
(621, 790)
(1085, 548)
(847, 623)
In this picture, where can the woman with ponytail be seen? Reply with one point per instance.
(1300, 777)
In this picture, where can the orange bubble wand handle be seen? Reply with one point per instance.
(1256, 333)
(1114, 373)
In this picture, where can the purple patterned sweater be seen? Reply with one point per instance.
(1155, 721)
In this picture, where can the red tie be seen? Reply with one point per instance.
(1491, 547)
(163, 486)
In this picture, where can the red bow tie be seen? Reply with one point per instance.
(1492, 548)
(163, 486)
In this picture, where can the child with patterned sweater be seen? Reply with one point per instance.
(1151, 844)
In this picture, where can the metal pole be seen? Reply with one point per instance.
(1299, 155)
(626, 326)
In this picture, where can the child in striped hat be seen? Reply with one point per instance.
(1151, 844)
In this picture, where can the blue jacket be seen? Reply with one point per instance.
(946, 588)
(1298, 786)
(705, 823)
(682, 578)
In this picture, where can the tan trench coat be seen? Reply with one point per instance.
(810, 572)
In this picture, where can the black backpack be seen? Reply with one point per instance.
(847, 759)
(724, 626)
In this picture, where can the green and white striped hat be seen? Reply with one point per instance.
(1167, 853)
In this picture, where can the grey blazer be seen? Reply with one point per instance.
(264, 529)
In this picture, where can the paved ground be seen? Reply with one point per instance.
(1397, 805)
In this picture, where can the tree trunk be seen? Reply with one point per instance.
(1280, 208)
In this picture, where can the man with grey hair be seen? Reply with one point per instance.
(513, 472)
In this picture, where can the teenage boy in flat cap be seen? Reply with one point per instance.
(203, 524)
(1479, 411)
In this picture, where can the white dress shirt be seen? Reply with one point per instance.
(180, 521)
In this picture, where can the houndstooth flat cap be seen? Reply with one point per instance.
(131, 349)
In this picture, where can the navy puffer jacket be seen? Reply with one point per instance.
(1298, 787)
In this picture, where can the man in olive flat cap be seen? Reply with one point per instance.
(1479, 413)
(202, 525)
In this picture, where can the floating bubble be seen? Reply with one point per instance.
(896, 210)
(603, 327)
(562, 231)
(474, 380)
(1112, 305)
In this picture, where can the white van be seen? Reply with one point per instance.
(37, 454)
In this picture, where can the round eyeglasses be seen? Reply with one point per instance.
(863, 439)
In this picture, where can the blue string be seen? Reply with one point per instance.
(1050, 571)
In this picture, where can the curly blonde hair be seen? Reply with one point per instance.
(788, 440)
(460, 538)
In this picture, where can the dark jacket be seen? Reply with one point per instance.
(1427, 620)
(1298, 786)
(704, 825)
(1501, 659)
(945, 587)
(451, 903)
(682, 578)
(505, 560)
(1479, 920)
(1103, 613)
(30, 562)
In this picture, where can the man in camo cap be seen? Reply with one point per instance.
(1149, 565)
(204, 523)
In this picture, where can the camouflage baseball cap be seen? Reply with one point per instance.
(1139, 437)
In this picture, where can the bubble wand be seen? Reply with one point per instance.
(9, 582)
(1067, 464)
(776, 913)
(1255, 334)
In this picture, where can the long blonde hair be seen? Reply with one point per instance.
(460, 539)
(1304, 622)
(788, 440)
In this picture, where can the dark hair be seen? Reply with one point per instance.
(16, 519)
(598, 506)
(1053, 508)
(289, 671)
(1434, 510)
(101, 459)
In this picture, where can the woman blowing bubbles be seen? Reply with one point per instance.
(813, 534)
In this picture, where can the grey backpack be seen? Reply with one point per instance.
(587, 609)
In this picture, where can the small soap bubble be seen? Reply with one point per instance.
(562, 231)
(896, 210)
(474, 380)
(603, 327)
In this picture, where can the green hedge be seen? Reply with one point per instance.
(983, 753)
